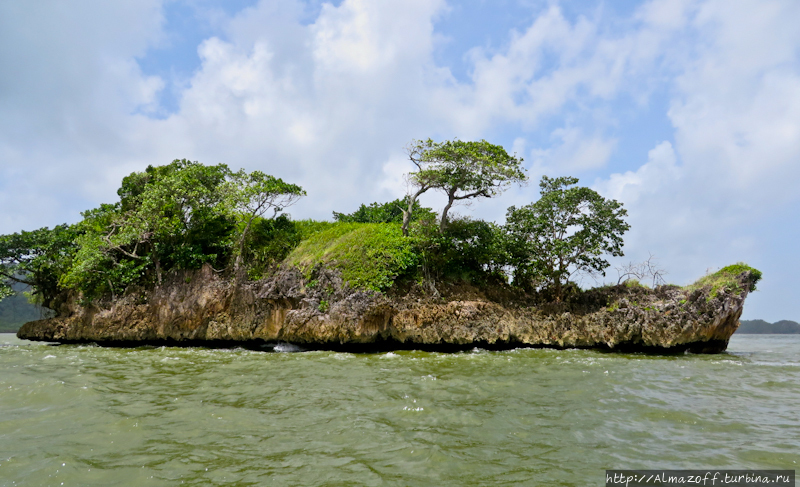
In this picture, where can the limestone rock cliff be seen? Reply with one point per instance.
(200, 307)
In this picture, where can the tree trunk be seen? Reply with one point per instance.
(557, 289)
(451, 197)
(407, 213)
(238, 262)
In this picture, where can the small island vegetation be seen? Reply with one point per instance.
(186, 215)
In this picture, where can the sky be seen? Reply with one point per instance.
(686, 111)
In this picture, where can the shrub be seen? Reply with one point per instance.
(391, 212)
(268, 242)
(467, 249)
(634, 283)
(307, 228)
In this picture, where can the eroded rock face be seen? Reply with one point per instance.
(196, 307)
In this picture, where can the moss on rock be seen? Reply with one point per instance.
(729, 278)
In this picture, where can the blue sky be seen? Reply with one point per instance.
(687, 111)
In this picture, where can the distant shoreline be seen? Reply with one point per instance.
(761, 327)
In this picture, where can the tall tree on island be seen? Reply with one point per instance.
(461, 170)
(178, 216)
(257, 193)
(171, 216)
(566, 231)
(182, 215)
(417, 181)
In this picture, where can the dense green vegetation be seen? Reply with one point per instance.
(37, 259)
(179, 216)
(566, 231)
(186, 215)
(461, 170)
(391, 212)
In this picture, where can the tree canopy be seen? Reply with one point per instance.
(174, 216)
(185, 215)
(567, 231)
(255, 194)
(36, 258)
(390, 212)
(178, 216)
(463, 170)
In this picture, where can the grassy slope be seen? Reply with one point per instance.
(369, 255)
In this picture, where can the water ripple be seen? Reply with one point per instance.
(87, 415)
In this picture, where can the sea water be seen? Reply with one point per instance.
(87, 415)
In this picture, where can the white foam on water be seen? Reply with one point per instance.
(727, 362)
(287, 348)
(341, 356)
(777, 364)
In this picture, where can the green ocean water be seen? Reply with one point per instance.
(79, 415)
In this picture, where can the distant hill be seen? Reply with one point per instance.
(15, 311)
(783, 327)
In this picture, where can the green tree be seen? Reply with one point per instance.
(36, 258)
(257, 193)
(178, 216)
(468, 250)
(566, 231)
(391, 212)
(418, 181)
(173, 216)
(462, 170)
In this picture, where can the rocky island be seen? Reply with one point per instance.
(190, 255)
(200, 308)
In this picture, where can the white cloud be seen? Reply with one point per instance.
(735, 110)
(660, 170)
(574, 152)
(394, 180)
(518, 83)
(68, 88)
(327, 110)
